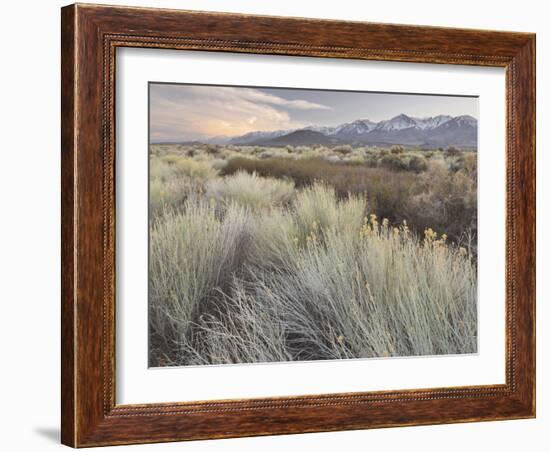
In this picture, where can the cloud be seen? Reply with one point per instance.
(187, 112)
(255, 95)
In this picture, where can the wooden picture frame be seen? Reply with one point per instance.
(90, 36)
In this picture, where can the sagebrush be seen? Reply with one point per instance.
(287, 254)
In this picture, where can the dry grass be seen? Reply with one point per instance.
(313, 277)
(250, 190)
(431, 192)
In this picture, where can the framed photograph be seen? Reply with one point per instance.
(281, 225)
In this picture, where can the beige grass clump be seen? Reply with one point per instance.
(250, 190)
(194, 169)
(193, 254)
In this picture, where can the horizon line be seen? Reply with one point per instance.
(314, 125)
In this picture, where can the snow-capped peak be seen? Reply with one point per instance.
(432, 122)
(326, 130)
(361, 128)
(358, 127)
(465, 120)
(399, 122)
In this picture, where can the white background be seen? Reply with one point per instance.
(29, 226)
(137, 384)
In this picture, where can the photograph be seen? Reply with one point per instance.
(302, 224)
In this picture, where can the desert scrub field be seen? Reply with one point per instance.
(299, 253)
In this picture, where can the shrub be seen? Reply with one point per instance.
(387, 191)
(416, 193)
(218, 164)
(371, 162)
(417, 164)
(394, 162)
(155, 150)
(265, 154)
(259, 270)
(351, 297)
(169, 194)
(344, 149)
(451, 151)
(250, 190)
(332, 158)
(404, 162)
(243, 336)
(396, 149)
(318, 208)
(354, 159)
(467, 162)
(170, 158)
(212, 149)
(167, 189)
(444, 200)
(245, 287)
(159, 169)
(306, 154)
(194, 169)
(192, 255)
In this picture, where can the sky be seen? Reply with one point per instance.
(181, 112)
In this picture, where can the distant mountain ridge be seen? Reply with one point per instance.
(302, 137)
(441, 130)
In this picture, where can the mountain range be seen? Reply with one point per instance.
(436, 131)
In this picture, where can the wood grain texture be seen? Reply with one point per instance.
(68, 244)
(90, 36)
